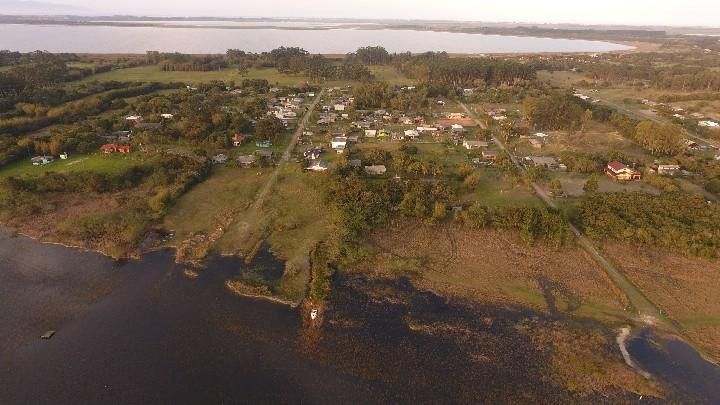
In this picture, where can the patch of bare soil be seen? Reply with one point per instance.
(686, 288)
(490, 266)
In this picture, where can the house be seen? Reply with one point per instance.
(371, 133)
(489, 155)
(376, 170)
(468, 92)
(339, 107)
(338, 143)
(668, 170)
(412, 134)
(455, 116)
(474, 144)
(238, 139)
(114, 148)
(620, 172)
(499, 117)
(220, 159)
(64, 156)
(134, 118)
(167, 116)
(41, 160)
(318, 166)
(263, 144)
(457, 128)
(246, 160)
(535, 143)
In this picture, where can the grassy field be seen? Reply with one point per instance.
(493, 267)
(496, 189)
(562, 79)
(95, 162)
(227, 193)
(685, 288)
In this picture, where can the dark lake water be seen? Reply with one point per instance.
(113, 39)
(139, 332)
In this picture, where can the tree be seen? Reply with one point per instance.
(591, 185)
(269, 128)
(555, 187)
(585, 119)
(659, 139)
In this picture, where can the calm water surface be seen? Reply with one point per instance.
(108, 39)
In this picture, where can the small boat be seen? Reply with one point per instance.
(48, 334)
(313, 314)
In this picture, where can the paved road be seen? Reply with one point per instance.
(647, 311)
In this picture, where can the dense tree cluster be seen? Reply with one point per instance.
(439, 68)
(677, 221)
(554, 111)
(532, 223)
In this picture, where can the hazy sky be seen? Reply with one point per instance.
(658, 12)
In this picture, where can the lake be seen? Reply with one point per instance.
(140, 331)
(329, 40)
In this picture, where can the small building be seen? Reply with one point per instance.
(548, 162)
(246, 160)
(412, 133)
(456, 116)
(114, 148)
(620, 172)
(474, 144)
(668, 170)
(371, 133)
(167, 116)
(64, 156)
(457, 128)
(41, 160)
(313, 153)
(263, 144)
(238, 140)
(339, 143)
(489, 155)
(134, 118)
(376, 170)
(709, 124)
(339, 107)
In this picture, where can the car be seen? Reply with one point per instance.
(47, 335)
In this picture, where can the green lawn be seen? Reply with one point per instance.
(391, 75)
(95, 162)
(496, 189)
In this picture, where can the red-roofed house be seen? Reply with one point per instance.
(114, 148)
(619, 171)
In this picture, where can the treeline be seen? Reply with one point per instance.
(676, 221)
(532, 223)
(465, 71)
(657, 139)
(289, 60)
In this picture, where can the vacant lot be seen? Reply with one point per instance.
(493, 267)
(686, 288)
(220, 199)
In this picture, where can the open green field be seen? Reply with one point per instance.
(227, 193)
(496, 189)
(95, 162)
(5, 68)
(562, 79)
(391, 75)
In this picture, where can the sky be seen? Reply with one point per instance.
(630, 12)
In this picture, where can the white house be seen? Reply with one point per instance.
(167, 116)
(339, 107)
(134, 118)
(669, 170)
(339, 143)
(426, 129)
(411, 133)
(371, 133)
(474, 144)
(457, 128)
(708, 124)
(318, 166)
